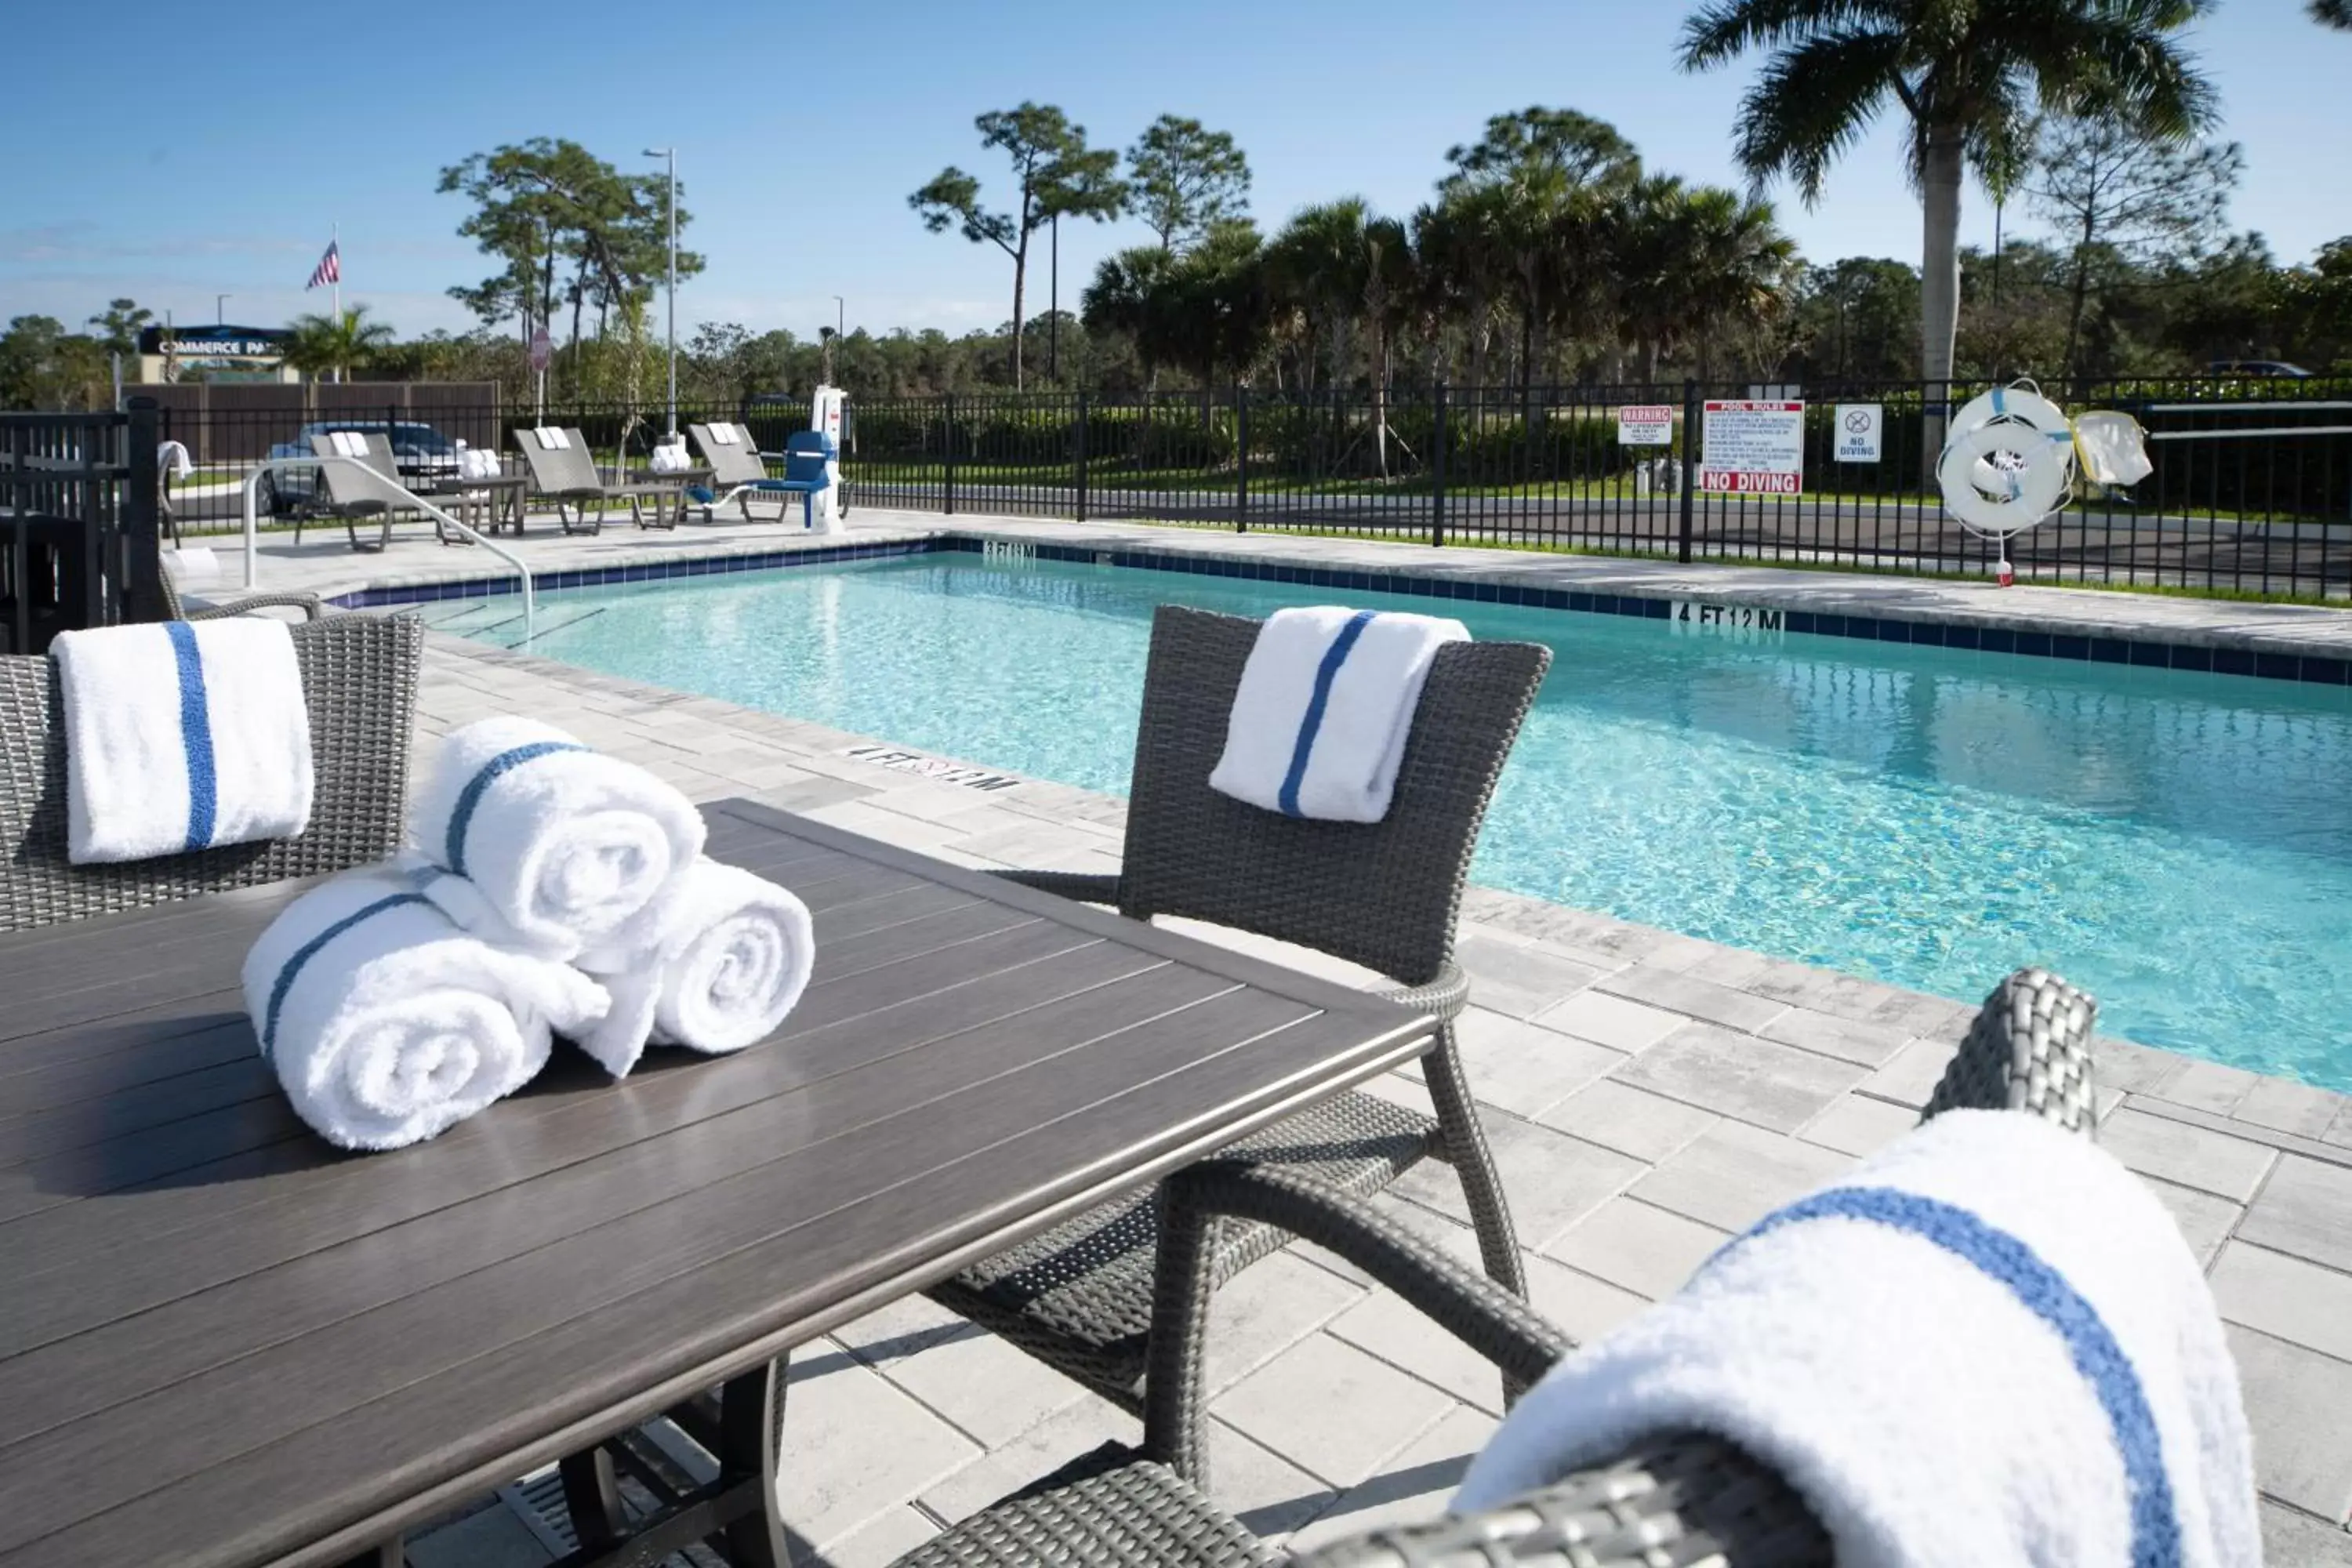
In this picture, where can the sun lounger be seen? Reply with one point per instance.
(563, 471)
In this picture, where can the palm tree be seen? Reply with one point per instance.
(1552, 173)
(1464, 265)
(1123, 299)
(1964, 72)
(1740, 268)
(2332, 13)
(1318, 268)
(326, 343)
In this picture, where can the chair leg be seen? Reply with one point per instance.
(591, 1495)
(1183, 1283)
(1473, 1162)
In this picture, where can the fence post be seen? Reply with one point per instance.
(1240, 458)
(138, 561)
(1690, 462)
(1437, 442)
(949, 506)
(1083, 418)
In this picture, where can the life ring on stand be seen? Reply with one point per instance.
(2002, 479)
(2022, 405)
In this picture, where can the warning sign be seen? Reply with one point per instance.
(1646, 424)
(1753, 447)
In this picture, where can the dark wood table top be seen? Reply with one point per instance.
(222, 1342)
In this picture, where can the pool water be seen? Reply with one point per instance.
(2179, 844)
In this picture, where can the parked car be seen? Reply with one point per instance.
(2258, 367)
(420, 451)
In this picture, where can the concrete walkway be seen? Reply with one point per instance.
(1646, 1094)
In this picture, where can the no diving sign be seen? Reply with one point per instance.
(1858, 426)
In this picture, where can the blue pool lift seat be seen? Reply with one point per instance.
(806, 455)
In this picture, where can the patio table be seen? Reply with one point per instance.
(484, 505)
(224, 1343)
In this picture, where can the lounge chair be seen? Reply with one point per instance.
(343, 491)
(739, 468)
(1381, 895)
(563, 472)
(359, 677)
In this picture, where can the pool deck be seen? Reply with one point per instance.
(1647, 1094)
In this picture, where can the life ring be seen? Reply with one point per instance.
(2014, 404)
(2004, 498)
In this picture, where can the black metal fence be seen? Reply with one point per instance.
(78, 537)
(2252, 491)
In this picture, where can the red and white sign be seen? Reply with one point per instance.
(1646, 424)
(1753, 447)
(542, 348)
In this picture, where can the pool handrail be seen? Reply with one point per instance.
(274, 464)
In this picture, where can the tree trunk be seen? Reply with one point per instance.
(2082, 288)
(1020, 280)
(1940, 280)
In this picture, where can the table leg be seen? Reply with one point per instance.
(591, 1494)
(736, 1507)
(751, 1435)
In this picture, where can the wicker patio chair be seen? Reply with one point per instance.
(177, 609)
(359, 676)
(1382, 895)
(1672, 1500)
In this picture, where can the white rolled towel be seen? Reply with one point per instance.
(562, 843)
(387, 1025)
(713, 964)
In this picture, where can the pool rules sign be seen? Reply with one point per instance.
(1753, 447)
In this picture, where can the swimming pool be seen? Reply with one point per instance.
(2179, 844)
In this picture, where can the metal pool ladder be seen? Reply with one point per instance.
(274, 464)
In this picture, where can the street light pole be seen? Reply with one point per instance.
(670, 153)
(1053, 310)
(840, 323)
(220, 309)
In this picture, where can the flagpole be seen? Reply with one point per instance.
(335, 243)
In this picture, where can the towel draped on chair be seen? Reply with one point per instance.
(182, 736)
(1325, 707)
(1988, 1344)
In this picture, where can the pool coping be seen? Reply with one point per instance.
(2268, 641)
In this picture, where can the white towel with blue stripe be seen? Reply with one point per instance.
(1325, 707)
(713, 963)
(563, 843)
(182, 736)
(1987, 1344)
(387, 1025)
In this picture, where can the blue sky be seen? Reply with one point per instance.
(172, 154)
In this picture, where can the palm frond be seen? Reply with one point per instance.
(1722, 30)
(1813, 101)
(2332, 13)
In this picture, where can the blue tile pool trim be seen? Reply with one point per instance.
(2315, 669)
(2319, 670)
(646, 572)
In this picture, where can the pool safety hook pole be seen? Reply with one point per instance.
(464, 531)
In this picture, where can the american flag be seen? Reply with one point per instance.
(330, 269)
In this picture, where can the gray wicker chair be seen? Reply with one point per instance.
(1673, 1500)
(1382, 895)
(177, 609)
(359, 674)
